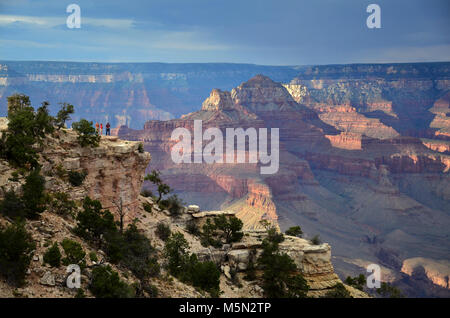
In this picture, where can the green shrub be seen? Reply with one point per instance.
(187, 268)
(93, 257)
(176, 254)
(147, 207)
(74, 253)
(230, 226)
(33, 194)
(280, 277)
(93, 221)
(25, 128)
(209, 234)
(139, 256)
(163, 231)
(147, 193)
(151, 290)
(387, 290)
(17, 102)
(14, 176)
(31, 203)
(141, 148)
(193, 228)
(80, 293)
(16, 247)
(173, 204)
(338, 291)
(53, 256)
(316, 240)
(12, 205)
(76, 178)
(62, 205)
(133, 250)
(155, 178)
(63, 115)
(87, 136)
(106, 283)
(204, 275)
(356, 282)
(294, 231)
(43, 121)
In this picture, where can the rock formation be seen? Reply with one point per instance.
(350, 160)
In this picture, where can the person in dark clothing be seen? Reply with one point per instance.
(108, 129)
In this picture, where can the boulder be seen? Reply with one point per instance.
(193, 209)
(48, 279)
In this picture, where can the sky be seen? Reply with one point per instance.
(267, 32)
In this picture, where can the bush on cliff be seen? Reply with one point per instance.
(33, 195)
(93, 221)
(187, 268)
(16, 247)
(131, 248)
(389, 291)
(173, 204)
(230, 227)
(134, 251)
(106, 283)
(63, 115)
(25, 128)
(163, 231)
(74, 253)
(87, 135)
(155, 178)
(356, 282)
(316, 240)
(62, 205)
(209, 234)
(12, 205)
(30, 204)
(338, 291)
(204, 275)
(53, 256)
(280, 274)
(294, 231)
(76, 178)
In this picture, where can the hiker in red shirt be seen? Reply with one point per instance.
(101, 129)
(108, 129)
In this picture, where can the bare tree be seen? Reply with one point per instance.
(121, 211)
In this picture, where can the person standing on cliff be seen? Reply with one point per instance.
(101, 129)
(97, 128)
(108, 129)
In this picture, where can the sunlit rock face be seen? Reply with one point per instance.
(114, 170)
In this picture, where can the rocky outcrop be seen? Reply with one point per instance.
(436, 271)
(114, 170)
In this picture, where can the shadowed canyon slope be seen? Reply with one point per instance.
(364, 162)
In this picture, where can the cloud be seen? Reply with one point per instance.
(49, 22)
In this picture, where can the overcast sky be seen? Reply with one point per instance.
(281, 32)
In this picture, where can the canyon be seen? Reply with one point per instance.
(364, 148)
(363, 162)
(115, 171)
